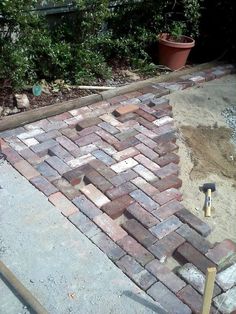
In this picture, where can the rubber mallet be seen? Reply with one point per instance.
(208, 188)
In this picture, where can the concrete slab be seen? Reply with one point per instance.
(57, 263)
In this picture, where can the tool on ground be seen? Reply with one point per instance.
(208, 188)
(24, 293)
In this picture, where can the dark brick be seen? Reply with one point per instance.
(43, 148)
(167, 159)
(165, 147)
(167, 210)
(166, 246)
(160, 113)
(107, 137)
(159, 102)
(194, 238)
(121, 190)
(165, 227)
(115, 208)
(140, 233)
(165, 275)
(96, 179)
(168, 182)
(189, 254)
(140, 214)
(70, 133)
(44, 185)
(60, 152)
(168, 170)
(87, 207)
(168, 299)
(47, 171)
(146, 115)
(123, 177)
(221, 251)
(110, 248)
(58, 164)
(136, 250)
(136, 272)
(165, 142)
(87, 123)
(87, 139)
(66, 188)
(194, 222)
(132, 141)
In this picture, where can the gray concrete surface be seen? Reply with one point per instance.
(57, 263)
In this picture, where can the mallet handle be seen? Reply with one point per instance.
(208, 203)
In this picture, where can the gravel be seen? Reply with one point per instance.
(230, 116)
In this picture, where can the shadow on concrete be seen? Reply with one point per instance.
(139, 299)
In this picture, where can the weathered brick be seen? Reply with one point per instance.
(101, 155)
(26, 169)
(66, 188)
(30, 142)
(58, 164)
(60, 152)
(165, 275)
(108, 128)
(125, 135)
(107, 137)
(60, 117)
(62, 203)
(47, 171)
(226, 302)
(140, 233)
(96, 179)
(136, 250)
(171, 181)
(167, 159)
(117, 99)
(146, 141)
(167, 210)
(37, 125)
(146, 97)
(87, 139)
(110, 227)
(87, 123)
(167, 196)
(165, 147)
(136, 272)
(140, 214)
(124, 165)
(66, 143)
(13, 132)
(195, 278)
(87, 207)
(144, 200)
(107, 148)
(120, 190)
(16, 144)
(110, 248)
(194, 222)
(30, 156)
(165, 227)
(43, 185)
(146, 187)
(55, 125)
(145, 173)
(71, 133)
(132, 141)
(146, 151)
(167, 245)
(75, 176)
(221, 251)
(89, 130)
(124, 154)
(85, 225)
(80, 111)
(194, 238)
(12, 156)
(163, 120)
(96, 196)
(188, 253)
(226, 279)
(123, 177)
(115, 208)
(146, 162)
(145, 115)
(168, 299)
(159, 102)
(145, 131)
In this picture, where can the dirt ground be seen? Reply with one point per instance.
(207, 153)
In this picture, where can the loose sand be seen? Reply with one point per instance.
(207, 153)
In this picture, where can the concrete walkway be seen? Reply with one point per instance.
(57, 263)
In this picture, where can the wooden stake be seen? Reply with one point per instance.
(208, 290)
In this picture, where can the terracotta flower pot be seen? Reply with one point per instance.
(174, 54)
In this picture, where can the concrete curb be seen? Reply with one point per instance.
(23, 118)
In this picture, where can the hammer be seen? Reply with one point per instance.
(208, 188)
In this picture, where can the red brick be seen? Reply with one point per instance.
(167, 210)
(194, 222)
(165, 275)
(84, 224)
(145, 186)
(87, 123)
(133, 94)
(145, 115)
(96, 179)
(193, 299)
(121, 190)
(105, 171)
(89, 130)
(167, 245)
(126, 153)
(168, 299)
(136, 272)
(167, 196)
(87, 139)
(146, 151)
(171, 181)
(221, 251)
(136, 250)
(145, 123)
(168, 170)
(107, 137)
(66, 188)
(140, 233)
(140, 214)
(26, 169)
(43, 185)
(115, 208)
(146, 162)
(186, 252)
(60, 117)
(167, 159)
(74, 176)
(66, 143)
(194, 238)
(165, 227)
(12, 156)
(117, 99)
(63, 204)
(110, 227)
(110, 248)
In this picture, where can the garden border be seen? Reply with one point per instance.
(20, 119)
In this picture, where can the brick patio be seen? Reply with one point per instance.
(112, 169)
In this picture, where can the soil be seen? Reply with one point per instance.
(207, 152)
